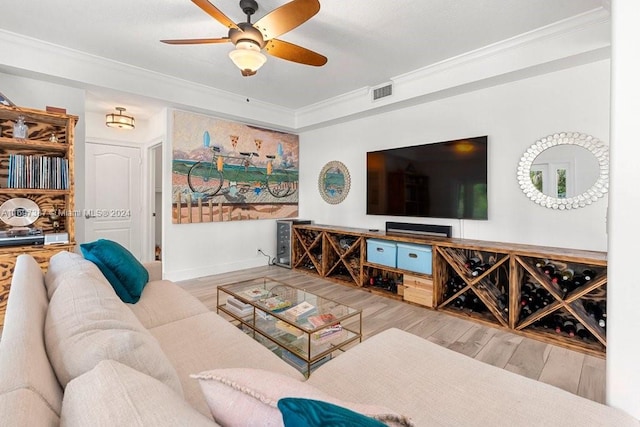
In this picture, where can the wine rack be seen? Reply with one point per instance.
(342, 260)
(572, 299)
(485, 290)
(307, 246)
(329, 253)
(507, 289)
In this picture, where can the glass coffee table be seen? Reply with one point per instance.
(304, 329)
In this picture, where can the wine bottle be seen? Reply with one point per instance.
(478, 270)
(588, 274)
(566, 287)
(569, 327)
(549, 269)
(472, 262)
(557, 323)
(460, 301)
(581, 331)
(594, 310)
(603, 309)
(555, 277)
(567, 274)
(541, 262)
(503, 302)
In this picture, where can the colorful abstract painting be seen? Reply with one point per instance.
(229, 171)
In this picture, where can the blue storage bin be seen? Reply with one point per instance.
(416, 258)
(381, 252)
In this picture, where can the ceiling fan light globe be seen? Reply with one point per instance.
(248, 60)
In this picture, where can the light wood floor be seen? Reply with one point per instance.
(575, 372)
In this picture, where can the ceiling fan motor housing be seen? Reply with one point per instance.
(247, 32)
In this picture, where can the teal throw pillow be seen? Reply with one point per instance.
(298, 412)
(123, 271)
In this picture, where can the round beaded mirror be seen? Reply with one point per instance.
(530, 172)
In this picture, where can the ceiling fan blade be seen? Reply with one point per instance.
(197, 41)
(215, 13)
(294, 53)
(286, 17)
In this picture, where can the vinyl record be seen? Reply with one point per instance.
(19, 212)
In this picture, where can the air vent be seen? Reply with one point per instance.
(382, 91)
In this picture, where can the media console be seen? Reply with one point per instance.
(504, 285)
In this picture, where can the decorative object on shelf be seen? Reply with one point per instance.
(20, 129)
(54, 217)
(565, 192)
(119, 120)
(53, 138)
(334, 182)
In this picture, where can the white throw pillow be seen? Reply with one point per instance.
(249, 397)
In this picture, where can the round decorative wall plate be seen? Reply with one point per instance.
(334, 182)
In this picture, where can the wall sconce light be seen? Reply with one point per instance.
(120, 121)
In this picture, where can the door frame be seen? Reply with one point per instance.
(149, 189)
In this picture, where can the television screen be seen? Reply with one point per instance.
(438, 180)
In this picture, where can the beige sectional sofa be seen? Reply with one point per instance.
(72, 353)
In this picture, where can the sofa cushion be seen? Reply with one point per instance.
(23, 357)
(451, 388)
(125, 273)
(206, 341)
(24, 407)
(112, 394)
(66, 266)
(87, 323)
(250, 397)
(164, 302)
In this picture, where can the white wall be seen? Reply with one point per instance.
(37, 94)
(514, 115)
(623, 321)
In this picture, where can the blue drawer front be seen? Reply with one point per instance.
(416, 258)
(381, 252)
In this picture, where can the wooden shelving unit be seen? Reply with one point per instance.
(496, 292)
(41, 125)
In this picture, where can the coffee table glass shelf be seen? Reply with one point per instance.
(304, 329)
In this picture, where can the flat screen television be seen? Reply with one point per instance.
(438, 180)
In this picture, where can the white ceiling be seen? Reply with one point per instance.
(367, 42)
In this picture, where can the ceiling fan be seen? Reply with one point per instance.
(250, 39)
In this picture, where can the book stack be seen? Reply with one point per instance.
(239, 308)
(328, 333)
(300, 311)
(321, 319)
(254, 294)
(275, 303)
(285, 327)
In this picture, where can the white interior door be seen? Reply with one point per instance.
(113, 195)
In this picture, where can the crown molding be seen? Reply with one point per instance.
(78, 69)
(570, 38)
